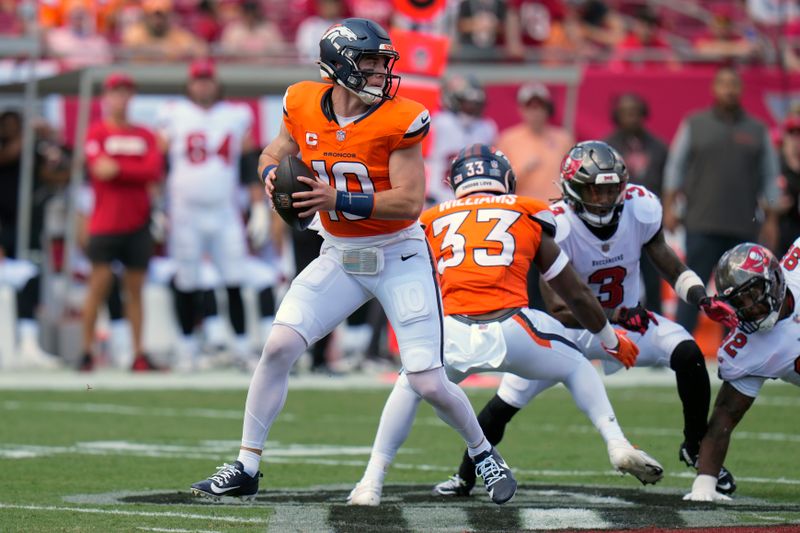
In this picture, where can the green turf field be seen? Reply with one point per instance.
(103, 460)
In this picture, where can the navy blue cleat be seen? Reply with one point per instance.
(496, 475)
(726, 484)
(229, 481)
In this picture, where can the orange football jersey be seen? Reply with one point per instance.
(484, 246)
(354, 157)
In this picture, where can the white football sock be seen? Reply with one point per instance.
(590, 396)
(250, 461)
(270, 382)
(396, 421)
(451, 405)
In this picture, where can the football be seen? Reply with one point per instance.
(286, 183)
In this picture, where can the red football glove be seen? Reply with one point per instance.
(635, 319)
(626, 351)
(719, 311)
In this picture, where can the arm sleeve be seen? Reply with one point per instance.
(677, 158)
(770, 190)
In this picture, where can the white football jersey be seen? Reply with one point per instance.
(204, 149)
(611, 268)
(451, 133)
(746, 361)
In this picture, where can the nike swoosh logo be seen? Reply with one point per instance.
(406, 257)
(723, 486)
(216, 490)
(425, 120)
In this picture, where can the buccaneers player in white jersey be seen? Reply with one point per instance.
(764, 346)
(204, 138)
(460, 123)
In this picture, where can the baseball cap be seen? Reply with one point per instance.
(115, 80)
(529, 91)
(202, 68)
(791, 123)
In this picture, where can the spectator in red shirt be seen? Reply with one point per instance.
(123, 162)
(644, 46)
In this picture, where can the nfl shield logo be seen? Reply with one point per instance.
(606, 247)
(340, 135)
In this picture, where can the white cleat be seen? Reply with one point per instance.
(366, 493)
(629, 460)
(31, 356)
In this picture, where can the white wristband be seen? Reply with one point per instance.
(704, 483)
(686, 281)
(607, 336)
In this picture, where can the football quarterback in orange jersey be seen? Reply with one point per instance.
(363, 143)
(484, 242)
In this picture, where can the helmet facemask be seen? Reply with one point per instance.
(757, 303)
(593, 182)
(598, 213)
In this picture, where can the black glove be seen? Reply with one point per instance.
(635, 319)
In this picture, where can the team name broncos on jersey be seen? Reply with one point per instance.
(746, 361)
(611, 267)
(483, 246)
(354, 157)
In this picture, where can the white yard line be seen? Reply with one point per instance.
(171, 530)
(290, 518)
(166, 514)
(562, 519)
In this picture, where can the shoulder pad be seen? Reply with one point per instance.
(645, 205)
(560, 212)
(547, 220)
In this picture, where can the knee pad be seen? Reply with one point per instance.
(283, 346)
(427, 383)
(687, 357)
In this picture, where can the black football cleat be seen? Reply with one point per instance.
(229, 481)
(496, 475)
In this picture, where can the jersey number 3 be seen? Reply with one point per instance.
(611, 291)
(454, 240)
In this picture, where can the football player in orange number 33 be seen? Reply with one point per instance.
(363, 142)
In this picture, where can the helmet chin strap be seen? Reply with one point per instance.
(598, 221)
(368, 95)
